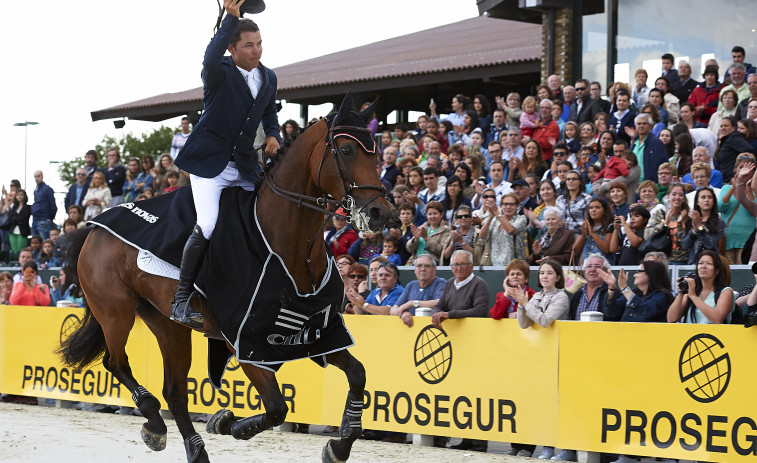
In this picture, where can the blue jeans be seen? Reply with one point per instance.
(41, 228)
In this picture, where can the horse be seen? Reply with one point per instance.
(326, 166)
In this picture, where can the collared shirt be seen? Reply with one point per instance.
(500, 190)
(638, 150)
(464, 282)
(414, 292)
(586, 305)
(253, 79)
(507, 153)
(391, 297)
(573, 213)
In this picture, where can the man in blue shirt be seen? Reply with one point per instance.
(700, 154)
(44, 208)
(425, 291)
(77, 191)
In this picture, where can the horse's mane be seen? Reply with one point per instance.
(274, 160)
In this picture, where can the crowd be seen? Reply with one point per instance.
(643, 178)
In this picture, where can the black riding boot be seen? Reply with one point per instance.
(191, 261)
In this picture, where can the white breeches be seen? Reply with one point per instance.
(207, 195)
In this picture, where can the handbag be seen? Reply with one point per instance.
(482, 252)
(721, 245)
(573, 280)
(659, 242)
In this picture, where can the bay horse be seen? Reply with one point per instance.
(327, 165)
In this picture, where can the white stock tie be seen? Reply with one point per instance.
(252, 84)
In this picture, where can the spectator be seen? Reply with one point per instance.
(743, 177)
(172, 178)
(738, 54)
(728, 101)
(465, 295)
(569, 99)
(29, 291)
(373, 266)
(6, 286)
(497, 184)
(595, 90)
(414, 183)
(165, 164)
(46, 260)
(554, 84)
(619, 199)
(76, 213)
(404, 232)
(685, 85)
(648, 302)
(512, 147)
(641, 91)
(665, 174)
(424, 291)
(605, 146)
(131, 188)
(498, 125)
(649, 150)
(453, 198)
(648, 197)
(654, 112)
(623, 117)
(389, 250)
(386, 140)
(705, 96)
(35, 243)
(44, 208)
(670, 103)
(548, 195)
(529, 118)
(17, 223)
(732, 143)
(573, 202)
(532, 162)
(289, 129)
(432, 192)
(90, 164)
(706, 226)
(556, 243)
(463, 172)
(342, 235)
(570, 138)
(743, 108)
(98, 196)
(146, 178)
(614, 168)
(584, 108)
(522, 189)
(739, 223)
(515, 282)
(459, 104)
(389, 169)
(596, 230)
(712, 301)
(668, 68)
(178, 140)
(748, 128)
(676, 221)
(666, 137)
(78, 190)
(115, 176)
(549, 304)
(433, 235)
(547, 133)
(508, 231)
(64, 290)
(512, 107)
(420, 125)
(343, 264)
(483, 112)
(627, 236)
(383, 297)
(24, 256)
(464, 235)
(688, 111)
(366, 246)
(593, 295)
(700, 155)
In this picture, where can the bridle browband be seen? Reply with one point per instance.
(320, 203)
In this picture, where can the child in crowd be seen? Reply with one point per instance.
(36, 244)
(172, 177)
(628, 235)
(477, 139)
(529, 120)
(591, 174)
(391, 245)
(45, 260)
(570, 139)
(614, 168)
(367, 246)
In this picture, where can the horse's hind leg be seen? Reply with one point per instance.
(275, 408)
(175, 344)
(349, 431)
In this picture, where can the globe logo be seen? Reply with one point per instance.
(433, 354)
(704, 368)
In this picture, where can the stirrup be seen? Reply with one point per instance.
(183, 312)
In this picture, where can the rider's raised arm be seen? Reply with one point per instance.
(212, 73)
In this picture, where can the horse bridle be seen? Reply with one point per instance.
(320, 203)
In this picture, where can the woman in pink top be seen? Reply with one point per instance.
(27, 291)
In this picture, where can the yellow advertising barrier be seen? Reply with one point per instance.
(678, 391)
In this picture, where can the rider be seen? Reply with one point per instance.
(239, 94)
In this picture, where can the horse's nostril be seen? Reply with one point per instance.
(375, 213)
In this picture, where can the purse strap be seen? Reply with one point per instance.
(733, 215)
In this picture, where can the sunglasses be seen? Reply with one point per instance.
(489, 196)
(357, 277)
(580, 89)
(509, 204)
(463, 216)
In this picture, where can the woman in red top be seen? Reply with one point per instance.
(27, 291)
(516, 274)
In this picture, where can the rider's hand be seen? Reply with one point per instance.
(232, 7)
(271, 146)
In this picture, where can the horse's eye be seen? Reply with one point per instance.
(346, 149)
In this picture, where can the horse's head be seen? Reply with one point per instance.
(348, 170)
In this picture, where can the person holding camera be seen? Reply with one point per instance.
(648, 302)
(704, 297)
(706, 225)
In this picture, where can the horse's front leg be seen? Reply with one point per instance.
(223, 421)
(351, 427)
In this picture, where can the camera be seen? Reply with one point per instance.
(754, 268)
(750, 319)
(683, 285)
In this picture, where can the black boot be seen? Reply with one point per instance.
(191, 261)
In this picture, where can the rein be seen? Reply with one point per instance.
(320, 203)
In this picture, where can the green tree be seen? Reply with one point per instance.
(154, 143)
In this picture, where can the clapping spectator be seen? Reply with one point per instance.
(507, 230)
(706, 226)
(28, 291)
(596, 230)
(131, 186)
(648, 302)
(356, 274)
(574, 202)
(739, 222)
(514, 284)
(549, 304)
(463, 235)
(98, 196)
(6, 286)
(556, 243)
(433, 236)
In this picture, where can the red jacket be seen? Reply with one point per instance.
(342, 244)
(708, 97)
(543, 133)
(614, 168)
(501, 308)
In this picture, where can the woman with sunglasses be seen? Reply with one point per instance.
(507, 231)
(648, 302)
(464, 234)
(383, 296)
(574, 202)
(706, 225)
(355, 274)
(739, 222)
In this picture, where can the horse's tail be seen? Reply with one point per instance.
(87, 343)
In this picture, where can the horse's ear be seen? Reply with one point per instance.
(367, 113)
(344, 109)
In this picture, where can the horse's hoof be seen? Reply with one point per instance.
(154, 441)
(220, 422)
(327, 456)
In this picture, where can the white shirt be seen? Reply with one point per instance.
(253, 79)
(464, 282)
